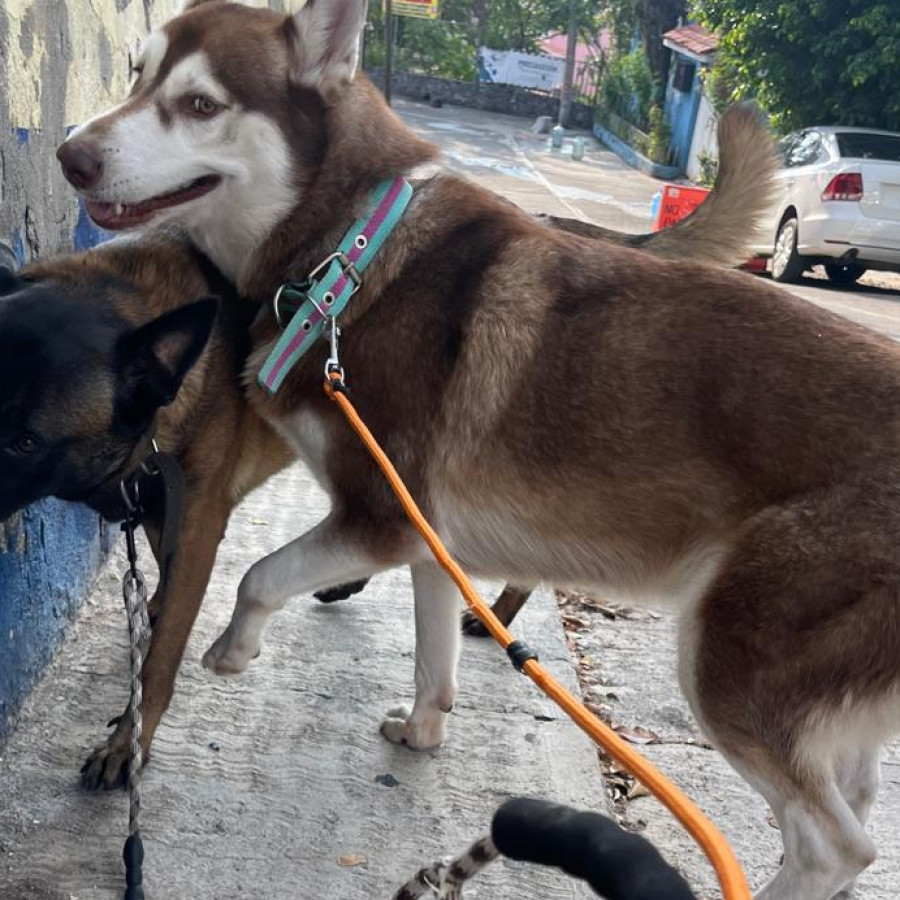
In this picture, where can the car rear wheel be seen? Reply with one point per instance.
(787, 265)
(844, 273)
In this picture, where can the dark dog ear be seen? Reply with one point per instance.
(9, 281)
(154, 359)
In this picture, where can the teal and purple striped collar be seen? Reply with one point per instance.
(328, 288)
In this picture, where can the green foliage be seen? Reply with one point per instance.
(709, 169)
(813, 63)
(650, 20)
(443, 48)
(519, 24)
(660, 136)
(628, 88)
(718, 85)
(448, 47)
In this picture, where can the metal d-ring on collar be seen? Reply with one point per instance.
(133, 501)
(348, 270)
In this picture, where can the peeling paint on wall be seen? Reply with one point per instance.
(12, 535)
(61, 61)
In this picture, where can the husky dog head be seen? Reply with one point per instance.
(232, 117)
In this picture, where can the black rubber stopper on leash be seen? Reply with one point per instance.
(519, 652)
(133, 854)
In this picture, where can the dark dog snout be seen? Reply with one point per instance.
(81, 163)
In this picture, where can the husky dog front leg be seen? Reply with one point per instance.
(329, 554)
(437, 653)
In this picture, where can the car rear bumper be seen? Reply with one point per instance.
(875, 242)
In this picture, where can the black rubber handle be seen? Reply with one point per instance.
(616, 864)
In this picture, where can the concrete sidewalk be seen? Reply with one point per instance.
(260, 784)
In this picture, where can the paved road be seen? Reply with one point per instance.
(877, 308)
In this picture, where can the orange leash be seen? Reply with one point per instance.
(728, 869)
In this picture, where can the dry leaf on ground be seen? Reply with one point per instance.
(637, 734)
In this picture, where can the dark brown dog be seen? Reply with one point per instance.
(93, 350)
(719, 232)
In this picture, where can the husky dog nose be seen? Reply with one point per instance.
(81, 163)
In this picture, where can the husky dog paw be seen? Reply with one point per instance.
(416, 730)
(106, 769)
(229, 655)
(341, 592)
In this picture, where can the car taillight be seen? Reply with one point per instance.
(847, 186)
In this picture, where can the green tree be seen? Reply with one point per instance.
(520, 24)
(817, 62)
(649, 19)
(447, 47)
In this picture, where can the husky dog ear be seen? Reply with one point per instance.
(153, 360)
(325, 38)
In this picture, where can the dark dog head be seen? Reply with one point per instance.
(80, 388)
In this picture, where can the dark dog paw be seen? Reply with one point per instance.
(106, 769)
(341, 592)
(471, 625)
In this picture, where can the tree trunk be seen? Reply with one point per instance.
(565, 103)
(655, 18)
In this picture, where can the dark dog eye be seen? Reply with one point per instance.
(203, 106)
(24, 445)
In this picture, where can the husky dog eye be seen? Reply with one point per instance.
(203, 107)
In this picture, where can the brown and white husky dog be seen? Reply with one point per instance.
(565, 410)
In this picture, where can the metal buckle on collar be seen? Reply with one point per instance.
(348, 268)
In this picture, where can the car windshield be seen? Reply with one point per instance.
(863, 145)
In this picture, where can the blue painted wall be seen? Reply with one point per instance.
(50, 553)
(49, 556)
(681, 113)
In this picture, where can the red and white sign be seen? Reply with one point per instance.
(677, 203)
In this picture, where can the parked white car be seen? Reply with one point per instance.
(837, 204)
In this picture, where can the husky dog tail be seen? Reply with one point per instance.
(721, 230)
